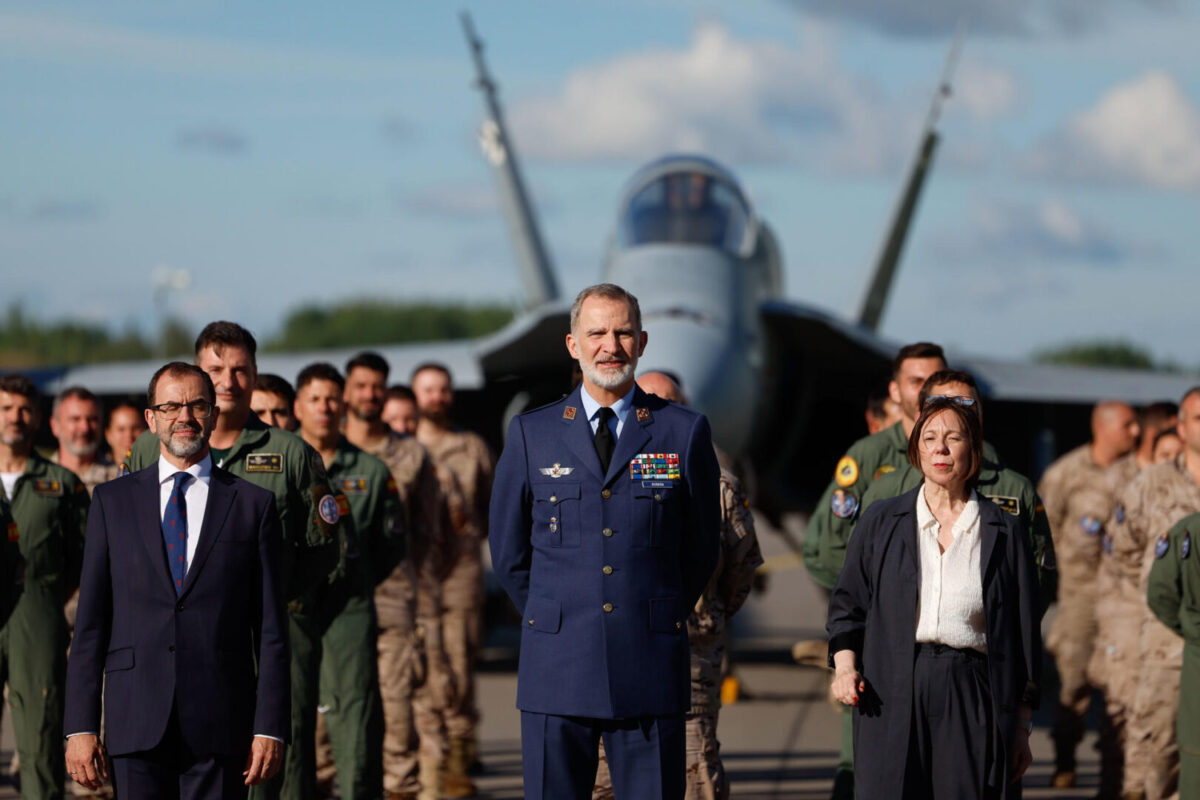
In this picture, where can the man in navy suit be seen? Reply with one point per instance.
(181, 619)
(605, 523)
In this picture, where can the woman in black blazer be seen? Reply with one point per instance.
(933, 628)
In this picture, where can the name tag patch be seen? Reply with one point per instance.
(48, 488)
(655, 467)
(264, 462)
(1010, 504)
(658, 484)
(356, 484)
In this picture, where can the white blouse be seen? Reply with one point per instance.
(950, 603)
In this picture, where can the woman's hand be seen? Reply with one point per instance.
(1022, 757)
(847, 683)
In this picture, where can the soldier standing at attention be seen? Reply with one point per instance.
(373, 546)
(48, 505)
(464, 468)
(400, 410)
(273, 400)
(1173, 594)
(868, 459)
(308, 513)
(1113, 666)
(75, 422)
(408, 602)
(726, 591)
(605, 531)
(125, 425)
(1158, 497)
(1078, 502)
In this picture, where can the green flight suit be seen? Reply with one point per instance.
(347, 660)
(283, 463)
(49, 508)
(1174, 597)
(828, 531)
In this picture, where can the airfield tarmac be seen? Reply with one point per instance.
(779, 741)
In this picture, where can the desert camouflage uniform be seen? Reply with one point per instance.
(464, 468)
(1113, 666)
(1075, 492)
(727, 590)
(1158, 498)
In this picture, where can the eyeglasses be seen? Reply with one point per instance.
(200, 409)
(958, 400)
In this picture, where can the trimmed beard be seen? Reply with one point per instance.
(85, 450)
(181, 449)
(607, 379)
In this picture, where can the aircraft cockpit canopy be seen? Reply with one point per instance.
(686, 207)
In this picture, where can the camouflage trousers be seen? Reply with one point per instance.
(461, 629)
(706, 779)
(1151, 746)
(1115, 667)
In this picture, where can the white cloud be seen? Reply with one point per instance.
(984, 91)
(1145, 131)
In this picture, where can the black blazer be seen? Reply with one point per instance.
(198, 650)
(873, 611)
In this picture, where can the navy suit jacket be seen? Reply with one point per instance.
(196, 651)
(604, 583)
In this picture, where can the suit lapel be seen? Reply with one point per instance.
(220, 499)
(148, 522)
(633, 436)
(989, 532)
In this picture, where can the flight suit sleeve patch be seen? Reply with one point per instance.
(1162, 546)
(884, 470)
(846, 473)
(1010, 504)
(844, 504)
(1091, 526)
(264, 462)
(1186, 548)
(343, 505)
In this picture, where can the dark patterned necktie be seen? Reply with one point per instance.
(174, 530)
(604, 440)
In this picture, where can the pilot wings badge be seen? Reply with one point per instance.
(557, 471)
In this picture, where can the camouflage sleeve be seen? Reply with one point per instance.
(739, 543)
(427, 531)
(74, 510)
(832, 521)
(483, 486)
(1054, 500)
(1165, 592)
(393, 533)
(314, 536)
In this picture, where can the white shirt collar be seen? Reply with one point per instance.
(201, 470)
(620, 408)
(926, 520)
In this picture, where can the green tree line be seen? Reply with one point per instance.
(29, 342)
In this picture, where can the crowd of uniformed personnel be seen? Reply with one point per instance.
(383, 503)
(1110, 526)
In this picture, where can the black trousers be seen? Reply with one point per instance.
(952, 733)
(560, 756)
(170, 771)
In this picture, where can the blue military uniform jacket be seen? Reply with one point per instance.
(605, 568)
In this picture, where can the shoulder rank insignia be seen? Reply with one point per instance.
(846, 473)
(569, 412)
(557, 471)
(1186, 547)
(643, 414)
(1162, 546)
(844, 504)
(1091, 526)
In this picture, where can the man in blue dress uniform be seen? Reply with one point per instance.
(605, 520)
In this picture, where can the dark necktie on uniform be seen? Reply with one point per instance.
(174, 529)
(604, 439)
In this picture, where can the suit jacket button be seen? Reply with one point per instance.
(607, 531)
(608, 607)
(606, 494)
(607, 569)
(170, 648)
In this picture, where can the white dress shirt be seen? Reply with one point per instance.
(950, 602)
(620, 408)
(195, 496)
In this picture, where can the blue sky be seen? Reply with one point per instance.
(298, 152)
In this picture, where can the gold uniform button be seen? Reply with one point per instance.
(530, 622)
(678, 624)
(658, 497)
(607, 570)
(606, 494)
(553, 498)
(608, 607)
(607, 531)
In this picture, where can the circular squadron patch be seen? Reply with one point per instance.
(1162, 546)
(1091, 526)
(846, 473)
(843, 504)
(328, 508)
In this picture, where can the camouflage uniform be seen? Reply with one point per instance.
(1174, 597)
(1158, 498)
(464, 468)
(49, 509)
(1113, 666)
(727, 590)
(1078, 503)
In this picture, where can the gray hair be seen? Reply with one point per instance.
(609, 291)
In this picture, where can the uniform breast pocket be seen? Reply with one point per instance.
(556, 518)
(656, 514)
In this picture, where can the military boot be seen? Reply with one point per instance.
(432, 774)
(458, 783)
